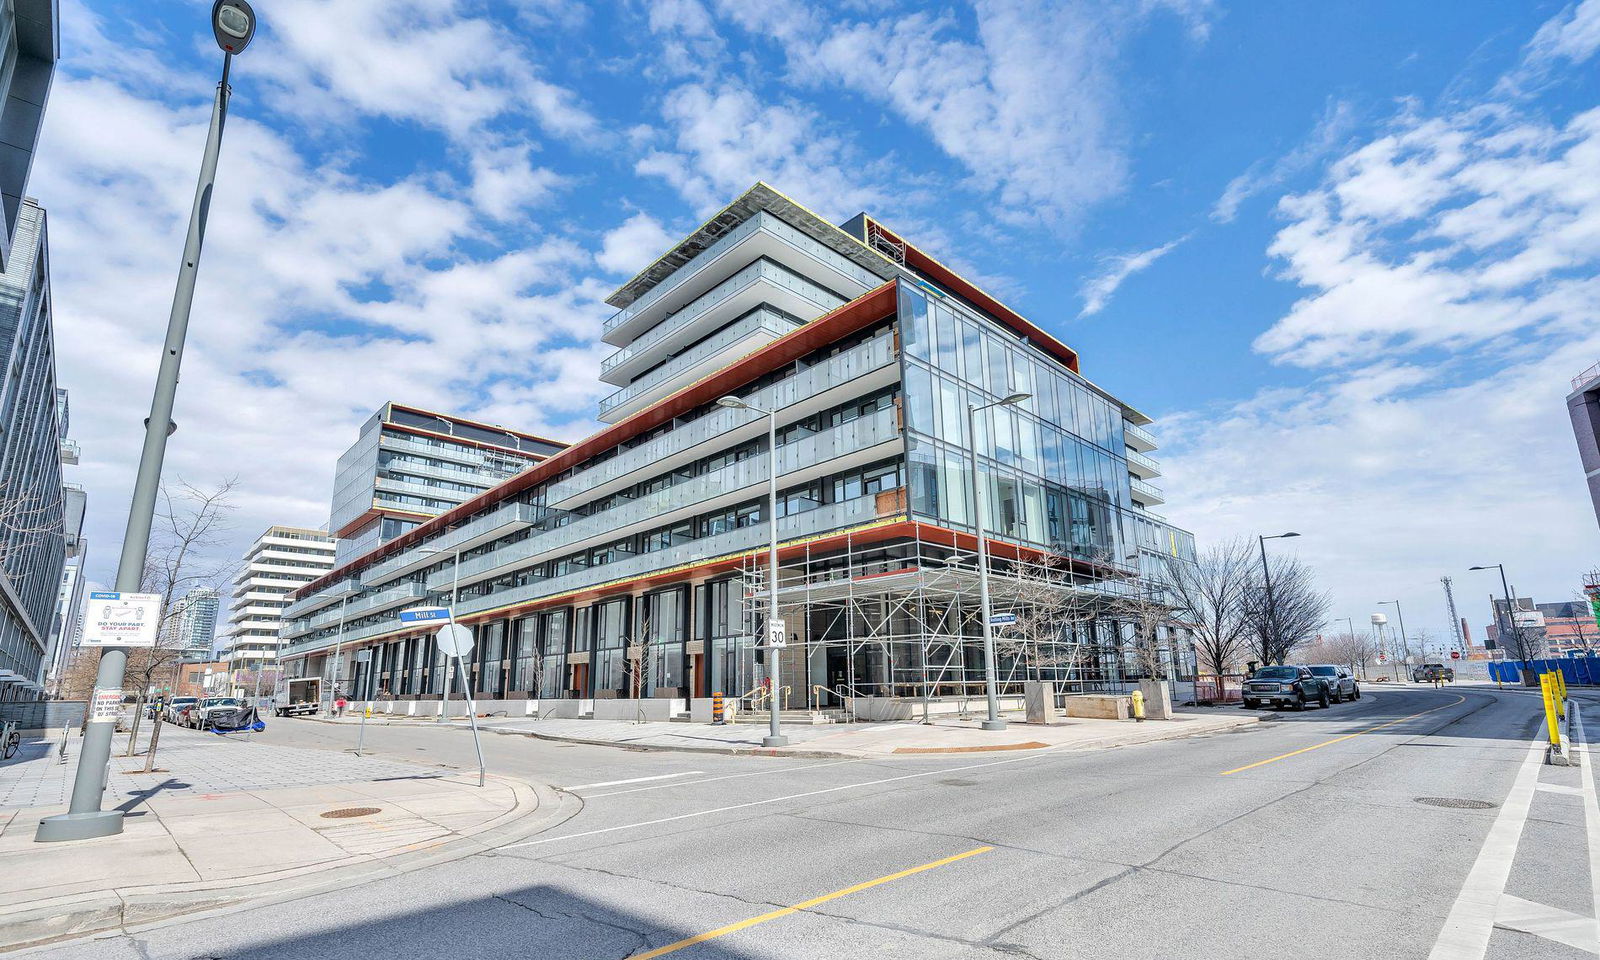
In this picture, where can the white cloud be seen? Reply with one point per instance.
(633, 245)
(1573, 36)
(505, 182)
(1332, 127)
(1097, 290)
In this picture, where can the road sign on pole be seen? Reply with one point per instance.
(121, 619)
(1002, 619)
(777, 633)
(454, 640)
(424, 614)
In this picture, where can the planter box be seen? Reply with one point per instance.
(1099, 706)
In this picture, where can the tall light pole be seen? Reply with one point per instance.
(1405, 645)
(985, 608)
(1511, 615)
(455, 593)
(775, 626)
(1351, 624)
(338, 645)
(234, 23)
(1266, 575)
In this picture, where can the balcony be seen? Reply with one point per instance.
(757, 284)
(761, 235)
(372, 603)
(383, 485)
(1143, 467)
(1138, 438)
(856, 371)
(855, 443)
(1145, 493)
(332, 594)
(483, 476)
(741, 339)
(70, 452)
(503, 520)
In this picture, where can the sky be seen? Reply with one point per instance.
(1344, 254)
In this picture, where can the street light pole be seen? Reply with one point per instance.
(1405, 644)
(338, 644)
(455, 594)
(233, 22)
(1511, 615)
(775, 737)
(985, 606)
(1266, 574)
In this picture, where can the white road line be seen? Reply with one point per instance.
(1466, 931)
(1047, 751)
(618, 783)
(730, 776)
(1591, 814)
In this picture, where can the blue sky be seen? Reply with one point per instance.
(1344, 253)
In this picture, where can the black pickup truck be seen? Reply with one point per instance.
(1287, 686)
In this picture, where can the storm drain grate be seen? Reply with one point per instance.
(1456, 803)
(345, 813)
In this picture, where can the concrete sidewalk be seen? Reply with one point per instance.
(944, 735)
(191, 847)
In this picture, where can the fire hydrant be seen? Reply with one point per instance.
(1138, 705)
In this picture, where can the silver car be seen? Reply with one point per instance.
(1341, 685)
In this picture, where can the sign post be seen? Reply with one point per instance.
(433, 615)
(456, 641)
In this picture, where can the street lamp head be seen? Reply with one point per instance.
(1284, 536)
(1490, 567)
(234, 23)
(732, 403)
(1014, 398)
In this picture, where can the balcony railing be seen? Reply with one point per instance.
(372, 603)
(1149, 464)
(332, 594)
(721, 485)
(1146, 491)
(853, 363)
(834, 516)
(793, 238)
(1139, 433)
(758, 272)
(506, 515)
(762, 321)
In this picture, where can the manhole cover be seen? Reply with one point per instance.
(345, 813)
(1456, 803)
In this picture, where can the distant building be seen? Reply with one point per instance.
(191, 624)
(70, 598)
(410, 465)
(33, 539)
(202, 679)
(1563, 628)
(30, 44)
(281, 560)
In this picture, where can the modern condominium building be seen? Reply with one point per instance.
(30, 44)
(282, 560)
(633, 563)
(411, 464)
(191, 624)
(1583, 407)
(33, 541)
(70, 597)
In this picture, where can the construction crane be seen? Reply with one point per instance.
(1455, 619)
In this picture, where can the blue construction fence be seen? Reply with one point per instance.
(1576, 670)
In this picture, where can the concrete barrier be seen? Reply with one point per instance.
(1098, 706)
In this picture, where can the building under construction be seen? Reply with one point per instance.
(634, 563)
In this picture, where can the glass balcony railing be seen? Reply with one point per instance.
(819, 448)
(322, 598)
(761, 271)
(1145, 491)
(1150, 464)
(1139, 433)
(792, 238)
(835, 516)
(393, 597)
(855, 362)
(762, 321)
(508, 515)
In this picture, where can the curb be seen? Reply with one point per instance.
(130, 910)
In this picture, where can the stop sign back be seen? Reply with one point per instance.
(1455, 654)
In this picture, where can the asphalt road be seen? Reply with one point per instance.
(1302, 837)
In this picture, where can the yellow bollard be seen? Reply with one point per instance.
(1138, 705)
(1562, 679)
(1547, 687)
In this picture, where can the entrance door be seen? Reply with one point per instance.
(838, 672)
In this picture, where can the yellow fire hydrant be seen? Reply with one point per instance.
(1138, 705)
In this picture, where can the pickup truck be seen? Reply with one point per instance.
(1429, 672)
(1287, 686)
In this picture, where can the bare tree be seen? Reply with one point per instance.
(189, 527)
(1288, 614)
(1054, 629)
(1211, 595)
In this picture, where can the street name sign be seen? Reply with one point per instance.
(1002, 619)
(424, 614)
(121, 619)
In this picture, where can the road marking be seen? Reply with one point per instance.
(730, 776)
(1348, 736)
(1465, 935)
(813, 902)
(1048, 751)
(1552, 923)
(1591, 816)
(618, 783)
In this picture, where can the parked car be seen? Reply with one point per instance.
(1341, 685)
(1286, 686)
(178, 705)
(1429, 672)
(199, 715)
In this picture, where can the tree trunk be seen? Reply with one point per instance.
(155, 737)
(133, 732)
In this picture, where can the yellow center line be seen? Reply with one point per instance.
(1348, 736)
(815, 901)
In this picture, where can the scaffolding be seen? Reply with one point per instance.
(901, 620)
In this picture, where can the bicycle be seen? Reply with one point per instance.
(10, 739)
